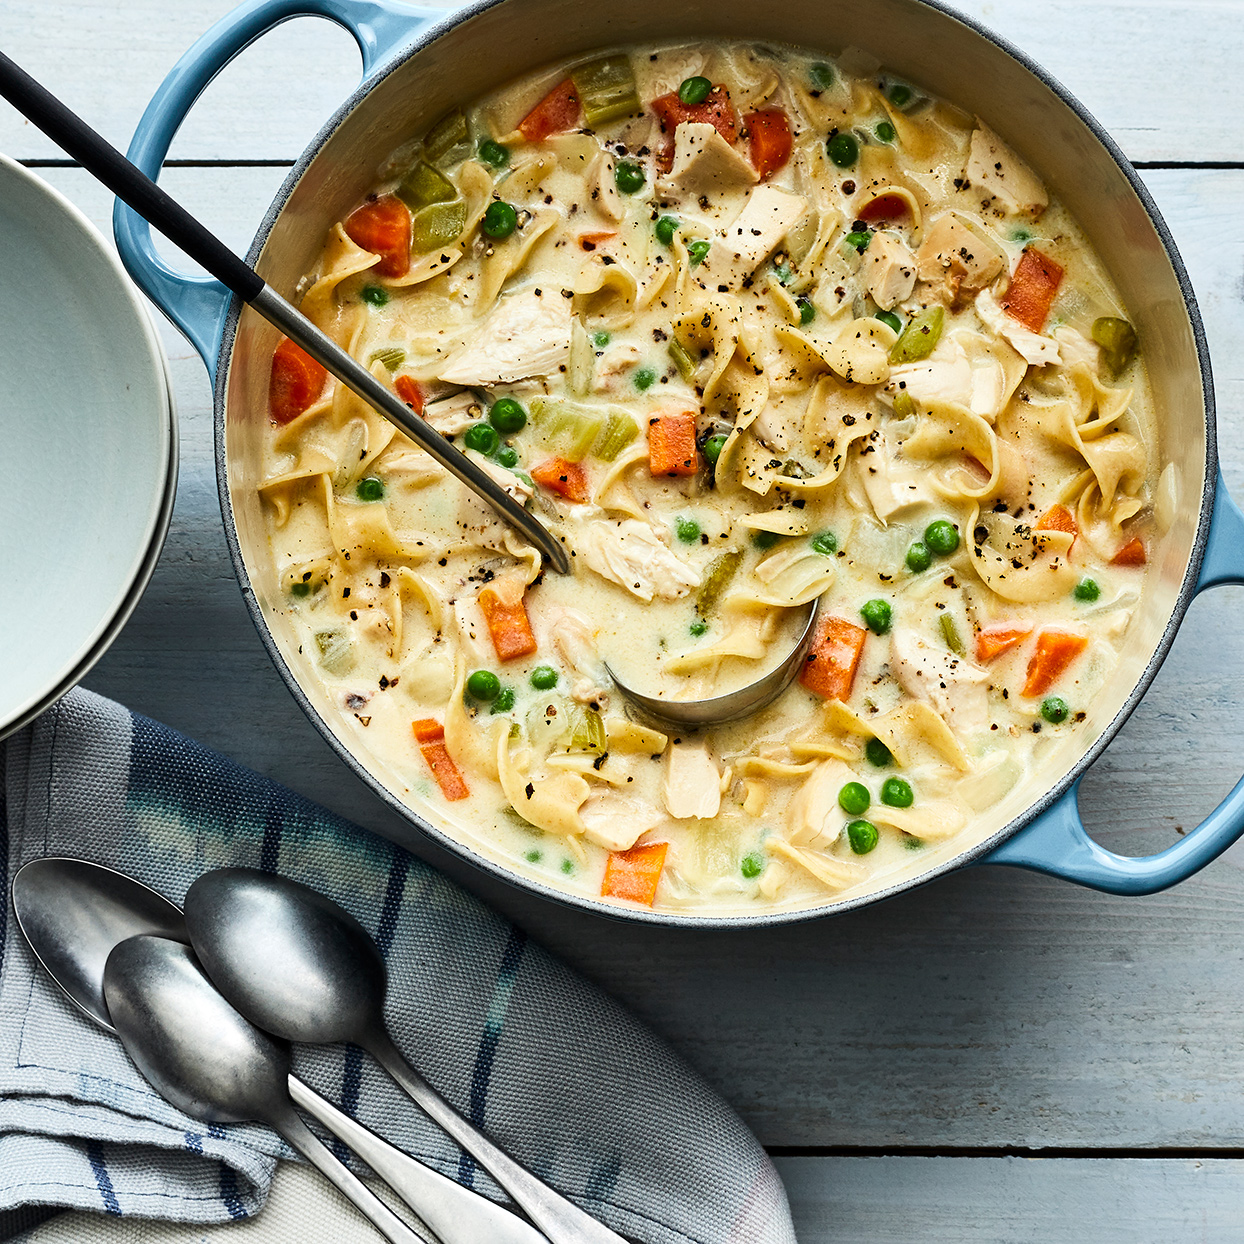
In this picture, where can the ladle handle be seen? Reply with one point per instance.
(455, 1213)
(349, 1185)
(561, 1220)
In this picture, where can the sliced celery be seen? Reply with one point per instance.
(920, 336)
(1117, 339)
(904, 405)
(682, 360)
(391, 356)
(587, 731)
(950, 633)
(571, 427)
(617, 434)
(449, 140)
(336, 651)
(439, 224)
(607, 89)
(716, 579)
(424, 185)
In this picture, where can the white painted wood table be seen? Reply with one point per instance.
(997, 1057)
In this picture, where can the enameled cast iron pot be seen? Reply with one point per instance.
(418, 64)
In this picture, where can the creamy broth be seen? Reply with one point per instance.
(747, 328)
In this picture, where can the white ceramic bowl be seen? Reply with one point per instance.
(88, 443)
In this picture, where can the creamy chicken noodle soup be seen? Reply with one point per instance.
(747, 327)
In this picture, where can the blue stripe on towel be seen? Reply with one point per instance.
(194, 1142)
(507, 974)
(95, 1155)
(351, 1083)
(394, 890)
(229, 1192)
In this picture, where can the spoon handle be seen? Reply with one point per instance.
(456, 1214)
(561, 1221)
(134, 187)
(349, 1185)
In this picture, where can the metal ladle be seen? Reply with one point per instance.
(103, 160)
(689, 714)
(73, 913)
(303, 968)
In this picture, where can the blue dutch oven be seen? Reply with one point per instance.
(418, 63)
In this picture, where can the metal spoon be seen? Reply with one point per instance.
(301, 967)
(72, 913)
(212, 1064)
(103, 160)
(688, 714)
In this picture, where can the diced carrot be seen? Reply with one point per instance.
(590, 241)
(557, 112)
(567, 479)
(829, 668)
(1055, 652)
(885, 207)
(1058, 518)
(296, 381)
(1131, 554)
(995, 640)
(716, 110)
(769, 133)
(430, 735)
(506, 616)
(1032, 290)
(409, 391)
(671, 444)
(634, 874)
(382, 226)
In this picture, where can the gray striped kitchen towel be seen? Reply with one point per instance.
(560, 1074)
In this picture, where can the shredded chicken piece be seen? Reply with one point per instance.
(953, 685)
(617, 822)
(575, 641)
(525, 334)
(952, 245)
(739, 250)
(889, 270)
(631, 554)
(454, 414)
(1031, 347)
(894, 489)
(704, 164)
(1000, 179)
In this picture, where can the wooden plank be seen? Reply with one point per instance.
(993, 1008)
(1014, 1200)
(1154, 73)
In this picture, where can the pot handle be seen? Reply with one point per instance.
(198, 305)
(1057, 842)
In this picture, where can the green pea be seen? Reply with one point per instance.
(300, 589)
(629, 177)
(506, 456)
(912, 843)
(877, 615)
(1054, 709)
(687, 530)
(544, 678)
(694, 90)
(863, 836)
(821, 76)
(507, 415)
(825, 543)
(500, 220)
(698, 251)
(369, 489)
(765, 539)
(494, 153)
(752, 865)
(645, 377)
(698, 627)
(481, 437)
(885, 132)
(713, 447)
(854, 798)
(601, 339)
(504, 701)
(859, 238)
(567, 866)
(483, 685)
(666, 227)
(1087, 589)
(918, 557)
(533, 857)
(374, 295)
(890, 320)
(942, 537)
(900, 95)
(843, 149)
(878, 753)
(783, 272)
(896, 793)
(807, 312)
